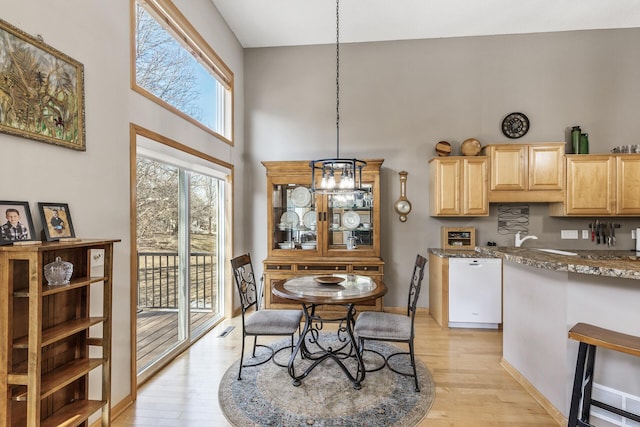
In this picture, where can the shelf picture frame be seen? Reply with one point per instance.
(17, 224)
(56, 221)
(45, 99)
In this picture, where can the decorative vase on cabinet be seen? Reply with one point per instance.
(320, 233)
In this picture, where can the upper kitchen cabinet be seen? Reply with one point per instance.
(627, 184)
(526, 172)
(458, 186)
(601, 185)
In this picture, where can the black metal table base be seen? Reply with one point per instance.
(345, 349)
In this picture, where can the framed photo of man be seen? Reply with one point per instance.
(17, 225)
(56, 221)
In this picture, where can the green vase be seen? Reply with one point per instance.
(575, 139)
(584, 143)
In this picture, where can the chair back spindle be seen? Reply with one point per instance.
(415, 285)
(245, 281)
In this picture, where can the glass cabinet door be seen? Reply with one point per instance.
(350, 221)
(295, 219)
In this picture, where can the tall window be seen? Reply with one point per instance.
(175, 67)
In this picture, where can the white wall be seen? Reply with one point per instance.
(95, 183)
(398, 99)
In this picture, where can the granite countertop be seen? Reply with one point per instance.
(612, 263)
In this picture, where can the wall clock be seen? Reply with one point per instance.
(403, 205)
(515, 125)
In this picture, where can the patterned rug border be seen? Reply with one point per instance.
(386, 398)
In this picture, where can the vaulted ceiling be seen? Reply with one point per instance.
(261, 23)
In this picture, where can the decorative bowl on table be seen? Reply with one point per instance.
(329, 280)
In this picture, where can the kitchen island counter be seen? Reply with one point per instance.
(611, 263)
(544, 295)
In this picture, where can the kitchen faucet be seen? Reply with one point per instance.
(520, 241)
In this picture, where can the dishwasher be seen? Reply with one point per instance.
(475, 292)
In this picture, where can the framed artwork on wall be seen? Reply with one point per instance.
(17, 226)
(56, 221)
(43, 91)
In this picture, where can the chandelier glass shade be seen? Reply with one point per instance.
(337, 175)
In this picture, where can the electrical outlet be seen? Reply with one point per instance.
(97, 257)
(585, 234)
(568, 234)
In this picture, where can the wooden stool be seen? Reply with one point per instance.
(591, 337)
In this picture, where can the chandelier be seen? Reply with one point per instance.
(338, 175)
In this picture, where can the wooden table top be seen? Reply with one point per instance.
(318, 289)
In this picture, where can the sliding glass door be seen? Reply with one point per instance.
(180, 254)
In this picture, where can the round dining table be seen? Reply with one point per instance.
(341, 292)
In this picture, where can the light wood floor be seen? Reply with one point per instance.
(472, 389)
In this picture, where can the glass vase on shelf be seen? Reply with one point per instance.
(58, 272)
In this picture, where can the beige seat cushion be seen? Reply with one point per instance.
(273, 322)
(383, 326)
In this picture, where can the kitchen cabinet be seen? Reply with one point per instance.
(601, 185)
(52, 337)
(439, 289)
(458, 186)
(465, 291)
(526, 172)
(311, 233)
(627, 184)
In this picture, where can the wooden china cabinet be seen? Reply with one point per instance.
(310, 234)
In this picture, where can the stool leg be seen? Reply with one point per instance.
(588, 375)
(577, 385)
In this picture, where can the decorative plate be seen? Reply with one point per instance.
(310, 219)
(301, 197)
(350, 220)
(290, 219)
(328, 280)
(515, 125)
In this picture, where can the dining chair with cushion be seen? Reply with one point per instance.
(380, 326)
(261, 322)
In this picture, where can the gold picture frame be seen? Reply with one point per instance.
(41, 91)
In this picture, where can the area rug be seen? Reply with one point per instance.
(266, 396)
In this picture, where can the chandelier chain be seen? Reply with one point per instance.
(338, 176)
(338, 78)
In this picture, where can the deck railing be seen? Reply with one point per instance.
(158, 280)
